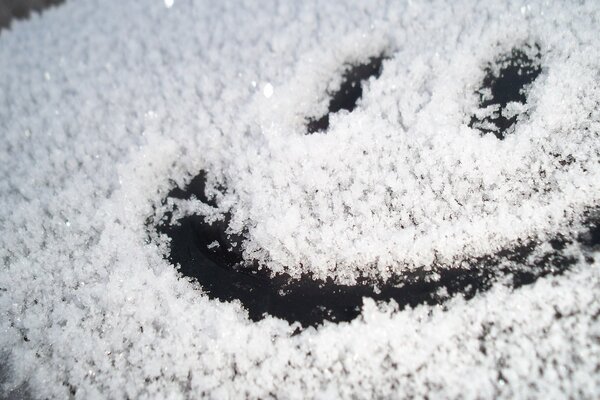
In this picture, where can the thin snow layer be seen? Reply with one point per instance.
(106, 105)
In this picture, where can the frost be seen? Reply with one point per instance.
(108, 105)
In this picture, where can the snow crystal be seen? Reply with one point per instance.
(108, 105)
(268, 90)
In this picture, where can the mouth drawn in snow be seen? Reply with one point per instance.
(207, 253)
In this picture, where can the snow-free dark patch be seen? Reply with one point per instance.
(506, 81)
(590, 238)
(350, 91)
(19, 9)
(223, 274)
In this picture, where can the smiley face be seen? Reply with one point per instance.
(395, 185)
(402, 163)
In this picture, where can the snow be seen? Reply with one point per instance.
(107, 105)
(268, 90)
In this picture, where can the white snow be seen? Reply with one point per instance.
(268, 90)
(105, 105)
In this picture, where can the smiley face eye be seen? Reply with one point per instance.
(503, 90)
(349, 93)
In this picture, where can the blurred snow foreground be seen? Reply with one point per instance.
(108, 105)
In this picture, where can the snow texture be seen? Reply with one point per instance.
(107, 105)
